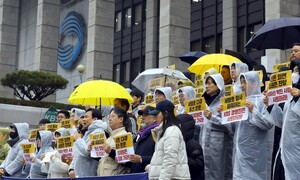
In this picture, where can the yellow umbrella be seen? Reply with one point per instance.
(98, 92)
(211, 61)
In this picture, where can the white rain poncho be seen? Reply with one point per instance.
(253, 137)
(56, 168)
(289, 120)
(188, 93)
(82, 162)
(215, 139)
(167, 92)
(36, 170)
(240, 68)
(13, 161)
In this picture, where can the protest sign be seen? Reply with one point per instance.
(195, 108)
(234, 108)
(97, 141)
(198, 81)
(148, 99)
(29, 153)
(52, 126)
(278, 66)
(279, 87)
(64, 146)
(175, 98)
(228, 90)
(124, 147)
(67, 123)
(32, 135)
(199, 92)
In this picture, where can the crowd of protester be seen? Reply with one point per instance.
(167, 143)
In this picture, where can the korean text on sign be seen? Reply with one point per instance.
(32, 135)
(279, 87)
(64, 146)
(28, 150)
(97, 142)
(234, 108)
(124, 147)
(67, 123)
(195, 108)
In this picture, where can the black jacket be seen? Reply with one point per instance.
(145, 148)
(193, 148)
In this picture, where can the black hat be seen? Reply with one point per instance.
(146, 110)
(164, 105)
(137, 93)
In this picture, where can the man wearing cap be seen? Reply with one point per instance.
(145, 144)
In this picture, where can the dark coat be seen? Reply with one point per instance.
(193, 148)
(145, 148)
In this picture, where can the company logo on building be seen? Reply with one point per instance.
(71, 39)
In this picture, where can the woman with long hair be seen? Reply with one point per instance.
(169, 160)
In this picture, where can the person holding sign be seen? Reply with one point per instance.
(216, 139)
(12, 165)
(169, 160)
(254, 136)
(287, 117)
(144, 147)
(118, 122)
(44, 145)
(184, 94)
(236, 68)
(83, 164)
(57, 166)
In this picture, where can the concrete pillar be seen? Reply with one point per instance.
(9, 20)
(281, 8)
(47, 30)
(100, 39)
(174, 32)
(229, 25)
(151, 50)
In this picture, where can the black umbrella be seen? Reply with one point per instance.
(279, 33)
(245, 58)
(191, 57)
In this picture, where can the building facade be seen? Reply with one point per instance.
(118, 39)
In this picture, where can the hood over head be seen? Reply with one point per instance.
(240, 68)
(77, 113)
(188, 92)
(167, 92)
(46, 138)
(97, 124)
(218, 78)
(63, 132)
(253, 83)
(22, 129)
(210, 71)
(105, 110)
